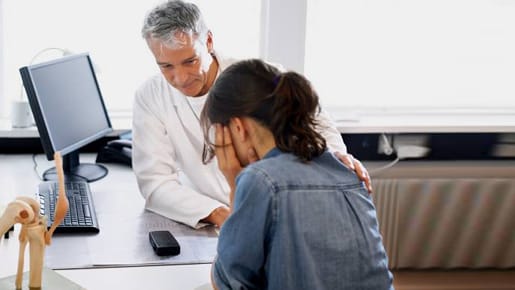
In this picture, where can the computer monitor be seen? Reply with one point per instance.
(69, 111)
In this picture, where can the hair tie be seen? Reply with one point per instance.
(276, 80)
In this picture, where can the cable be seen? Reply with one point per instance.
(64, 52)
(35, 168)
(382, 168)
(387, 148)
(403, 152)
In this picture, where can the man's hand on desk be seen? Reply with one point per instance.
(217, 216)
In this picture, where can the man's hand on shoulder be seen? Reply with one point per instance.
(357, 166)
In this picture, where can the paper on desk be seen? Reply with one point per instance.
(123, 241)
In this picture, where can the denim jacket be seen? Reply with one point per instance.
(299, 225)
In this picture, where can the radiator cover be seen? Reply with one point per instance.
(447, 222)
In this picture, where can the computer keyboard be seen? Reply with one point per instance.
(81, 216)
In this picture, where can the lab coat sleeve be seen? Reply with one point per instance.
(333, 137)
(156, 169)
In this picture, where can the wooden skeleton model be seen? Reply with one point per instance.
(25, 211)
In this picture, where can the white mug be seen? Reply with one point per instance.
(21, 115)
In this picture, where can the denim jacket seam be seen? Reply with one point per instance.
(273, 191)
(340, 187)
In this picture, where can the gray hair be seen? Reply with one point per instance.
(172, 17)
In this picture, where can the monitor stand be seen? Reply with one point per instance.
(74, 170)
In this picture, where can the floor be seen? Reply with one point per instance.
(454, 280)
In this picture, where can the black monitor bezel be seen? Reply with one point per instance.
(41, 123)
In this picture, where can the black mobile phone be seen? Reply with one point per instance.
(164, 243)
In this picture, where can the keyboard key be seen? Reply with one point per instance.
(81, 215)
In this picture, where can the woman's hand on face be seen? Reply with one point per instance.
(228, 162)
(358, 167)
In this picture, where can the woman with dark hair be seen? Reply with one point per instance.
(299, 218)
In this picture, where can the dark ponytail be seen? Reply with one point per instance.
(293, 117)
(284, 103)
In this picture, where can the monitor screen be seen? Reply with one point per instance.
(69, 111)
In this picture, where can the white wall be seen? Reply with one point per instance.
(110, 32)
(283, 34)
(419, 54)
(3, 111)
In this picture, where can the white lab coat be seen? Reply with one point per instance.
(167, 153)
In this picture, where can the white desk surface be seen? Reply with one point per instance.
(423, 120)
(17, 177)
(120, 122)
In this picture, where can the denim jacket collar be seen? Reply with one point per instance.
(272, 153)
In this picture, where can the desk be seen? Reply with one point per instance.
(17, 177)
(121, 122)
(423, 120)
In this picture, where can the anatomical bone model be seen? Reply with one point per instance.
(25, 211)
